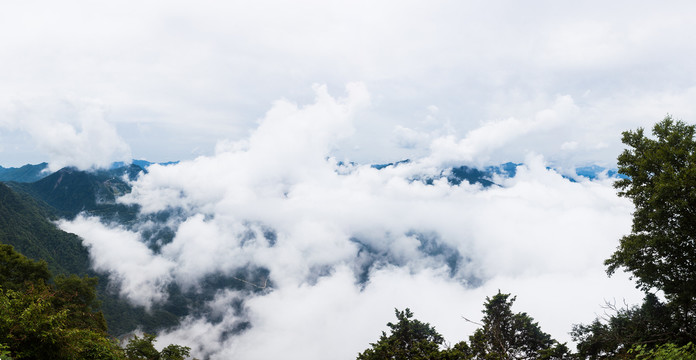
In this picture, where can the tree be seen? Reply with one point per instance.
(409, 340)
(660, 252)
(59, 318)
(42, 320)
(79, 296)
(665, 352)
(660, 179)
(616, 334)
(506, 335)
(16, 270)
(143, 348)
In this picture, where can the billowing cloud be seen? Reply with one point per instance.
(491, 136)
(138, 273)
(71, 132)
(343, 244)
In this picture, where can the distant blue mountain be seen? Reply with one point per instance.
(455, 175)
(509, 169)
(382, 166)
(25, 174)
(485, 176)
(459, 174)
(31, 173)
(594, 171)
(142, 163)
(471, 175)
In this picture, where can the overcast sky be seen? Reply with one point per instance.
(262, 101)
(168, 81)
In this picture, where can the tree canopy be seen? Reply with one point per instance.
(507, 335)
(660, 179)
(659, 176)
(410, 339)
(503, 335)
(42, 317)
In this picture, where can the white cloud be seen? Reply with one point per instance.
(490, 136)
(410, 139)
(569, 145)
(140, 275)
(70, 132)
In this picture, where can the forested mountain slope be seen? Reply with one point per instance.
(70, 191)
(24, 224)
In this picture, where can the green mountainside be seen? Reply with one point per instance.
(27, 208)
(25, 224)
(69, 191)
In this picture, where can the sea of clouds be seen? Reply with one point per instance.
(350, 242)
(541, 83)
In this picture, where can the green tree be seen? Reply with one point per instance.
(665, 352)
(143, 348)
(660, 252)
(16, 270)
(506, 335)
(44, 320)
(661, 181)
(649, 324)
(460, 351)
(409, 339)
(175, 352)
(79, 296)
(33, 328)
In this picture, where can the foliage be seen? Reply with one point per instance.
(24, 225)
(79, 296)
(58, 319)
(504, 335)
(460, 351)
(39, 319)
(667, 351)
(508, 335)
(144, 349)
(34, 328)
(660, 179)
(409, 340)
(651, 323)
(661, 182)
(5, 352)
(16, 271)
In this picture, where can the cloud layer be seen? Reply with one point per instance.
(344, 244)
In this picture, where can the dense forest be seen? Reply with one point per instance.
(47, 317)
(53, 306)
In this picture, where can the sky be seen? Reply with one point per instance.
(263, 101)
(85, 83)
